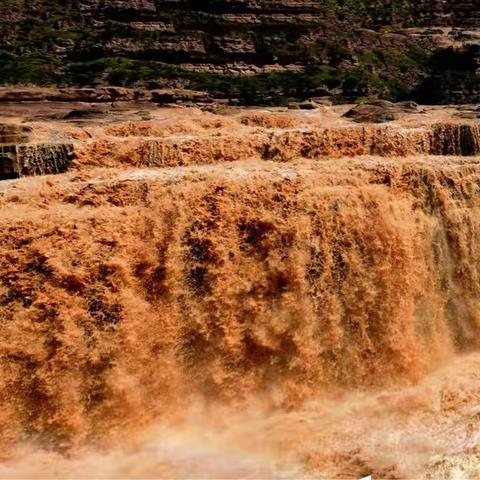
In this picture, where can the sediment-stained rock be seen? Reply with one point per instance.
(19, 160)
(381, 111)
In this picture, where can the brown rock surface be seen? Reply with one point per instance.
(381, 111)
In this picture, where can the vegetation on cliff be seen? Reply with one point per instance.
(342, 48)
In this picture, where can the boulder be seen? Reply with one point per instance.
(85, 113)
(168, 96)
(308, 105)
(381, 111)
(293, 106)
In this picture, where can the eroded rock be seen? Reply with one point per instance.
(381, 111)
(19, 157)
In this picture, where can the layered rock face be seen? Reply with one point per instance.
(19, 157)
(345, 49)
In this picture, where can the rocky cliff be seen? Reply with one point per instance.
(255, 51)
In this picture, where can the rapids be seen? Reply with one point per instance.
(244, 320)
(309, 311)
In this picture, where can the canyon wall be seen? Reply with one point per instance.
(253, 51)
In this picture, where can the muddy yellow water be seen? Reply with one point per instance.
(249, 320)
